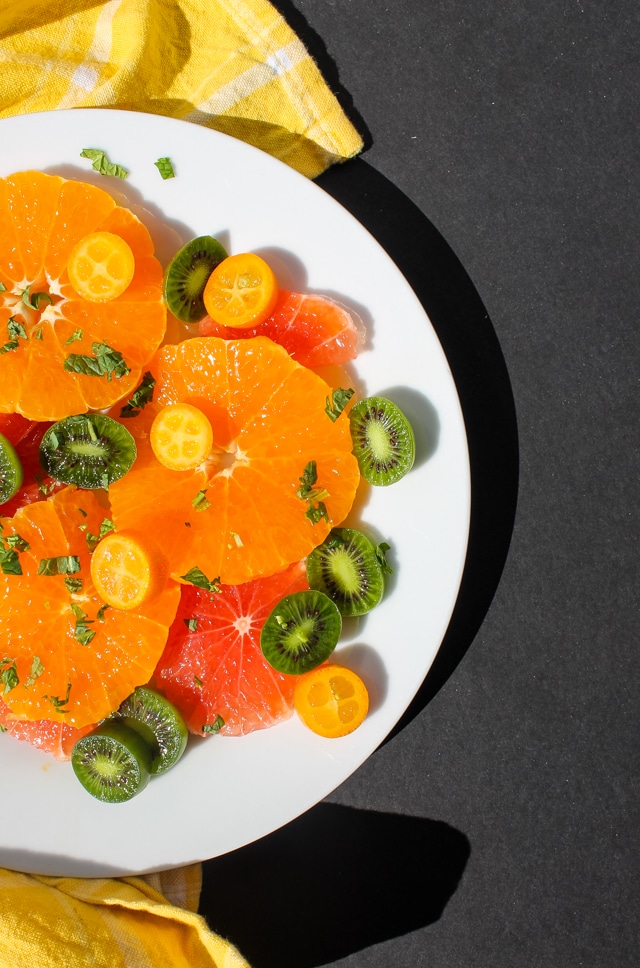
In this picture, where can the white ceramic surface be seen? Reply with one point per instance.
(228, 792)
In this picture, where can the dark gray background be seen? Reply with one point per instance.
(498, 826)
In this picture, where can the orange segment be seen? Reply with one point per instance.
(331, 700)
(240, 514)
(241, 291)
(181, 437)
(101, 266)
(75, 660)
(42, 218)
(126, 570)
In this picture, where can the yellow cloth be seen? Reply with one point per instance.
(50, 922)
(233, 65)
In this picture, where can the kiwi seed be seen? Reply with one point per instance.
(383, 440)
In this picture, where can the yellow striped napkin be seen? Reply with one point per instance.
(233, 65)
(50, 922)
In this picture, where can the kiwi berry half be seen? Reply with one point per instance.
(383, 440)
(159, 723)
(10, 470)
(187, 275)
(348, 568)
(90, 450)
(301, 632)
(113, 762)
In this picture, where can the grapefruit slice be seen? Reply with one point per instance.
(212, 665)
(315, 330)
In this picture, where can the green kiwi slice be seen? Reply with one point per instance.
(10, 470)
(348, 568)
(301, 632)
(90, 450)
(383, 440)
(159, 723)
(113, 762)
(187, 275)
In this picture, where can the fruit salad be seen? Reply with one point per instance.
(174, 555)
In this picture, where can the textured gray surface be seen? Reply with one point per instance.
(499, 824)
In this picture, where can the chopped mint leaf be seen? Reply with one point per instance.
(191, 623)
(106, 526)
(317, 512)
(62, 565)
(200, 502)
(45, 488)
(9, 346)
(15, 541)
(381, 555)
(101, 611)
(75, 337)
(8, 675)
(37, 669)
(140, 398)
(165, 168)
(82, 632)
(33, 300)
(106, 362)
(9, 562)
(197, 577)
(213, 727)
(339, 399)
(73, 585)
(3, 288)
(198, 682)
(59, 703)
(16, 328)
(101, 164)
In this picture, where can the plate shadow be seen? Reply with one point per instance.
(331, 883)
(471, 346)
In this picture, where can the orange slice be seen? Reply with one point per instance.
(331, 700)
(48, 332)
(181, 437)
(65, 656)
(241, 291)
(101, 266)
(250, 509)
(126, 570)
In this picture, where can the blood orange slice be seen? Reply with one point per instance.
(45, 734)
(63, 354)
(25, 435)
(212, 665)
(314, 330)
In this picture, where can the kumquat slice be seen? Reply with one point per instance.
(126, 570)
(101, 266)
(181, 437)
(241, 291)
(331, 700)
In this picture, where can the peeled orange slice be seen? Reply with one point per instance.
(53, 338)
(66, 656)
(280, 475)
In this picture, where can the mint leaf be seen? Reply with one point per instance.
(101, 164)
(33, 300)
(197, 577)
(140, 398)
(339, 399)
(213, 727)
(106, 362)
(165, 168)
(62, 565)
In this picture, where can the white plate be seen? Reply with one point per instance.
(228, 792)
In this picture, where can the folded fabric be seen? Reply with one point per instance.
(49, 922)
(233, 65)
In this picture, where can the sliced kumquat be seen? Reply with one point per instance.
(241, 291)
(126, 570)
(331, 700)
(181, 437)
(101, 266)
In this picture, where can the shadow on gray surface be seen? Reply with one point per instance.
(472, 349)
(331, 883)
